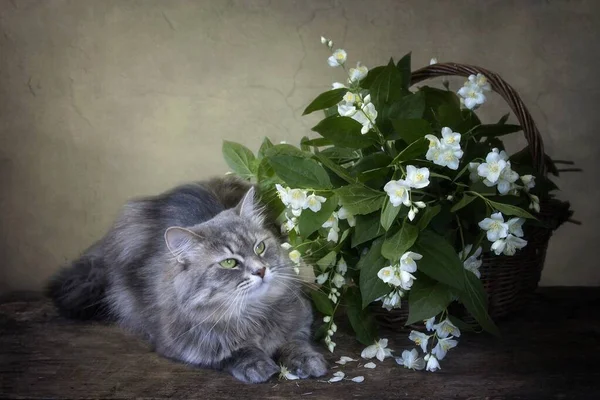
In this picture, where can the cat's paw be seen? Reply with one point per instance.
(307, 364)
(256, 370)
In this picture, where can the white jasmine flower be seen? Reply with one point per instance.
(398, 191)
(334, 328)
(389, 275)
(343, 360)
(342, 267)
(433, 61)
(419, 204)
(284, 373)
(323, 40)
(515, 226)
(330, 44)
(535, 203)
(432, 363)
(480, 81)
(314, 202)
(449, 157)
(406, 280)
(407, 261)
(333, 297)
(338, 376)
(326, 318)
(366, 117)
(435, 149)
(344, 214)
(528, 181)
(333, 235)
(442, 347)
(412, 213)
(321, 279)
(378, 350)
(429, 323)
(370, 365)
(297, 199)
(472, 95)
(495, 227)
(358, 379)
(283, 193)
(493, 166)
(474, 175)
(391, 301)
(505, 181)
(350, 98)
(450, 139)
(289, 224)
(332, 223)
(420, 339)
(446, 328)
(346, 110)
(338, 280)
(410, 359)
(295, 256)
(417, 178)
(286, 246)
(509, 245)
(359, 73)
(473, 263)
(337, 58)
(338, 85)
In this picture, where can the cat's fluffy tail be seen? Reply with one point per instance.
(79, 291)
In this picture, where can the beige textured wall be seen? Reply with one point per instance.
(104, 100)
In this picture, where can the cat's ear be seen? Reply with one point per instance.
(249, 208)
(180, 240)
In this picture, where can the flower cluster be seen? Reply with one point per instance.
(496, 171)
(473, 262)
(471, 94)
(399, 191)
(506, 236)
(445, 152)
(400, 277)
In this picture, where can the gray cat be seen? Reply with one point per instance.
(199, 274)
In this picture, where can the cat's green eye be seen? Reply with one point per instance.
(259, 248)
(229, 263)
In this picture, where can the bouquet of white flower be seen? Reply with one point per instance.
(399, 198)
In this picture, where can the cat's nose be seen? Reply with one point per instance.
(260, 272)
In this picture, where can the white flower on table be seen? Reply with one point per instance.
(493, 166)
(338, 376)
(344, 359)
(420, 339)
(411, 360)
(473, 263)
(358, 379)
(407, 261)
(285, 373)
(370, 365)
(417, 178)
(432, 363)
(442, 347)
(314, 202)
(446, 328)
(337, 58)
(509, 245)
(398, 191)
(344, 214)
(378, 350)
(359, 73)
(495, 227)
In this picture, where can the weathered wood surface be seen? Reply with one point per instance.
(550, 351)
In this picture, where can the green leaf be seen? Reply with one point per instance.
(287, 150)
(343, 132)
(335, 168)
(507, 209)
(367, 228)
(326, 100)
(318, 142)
(388, 214)
(495, 130)
(264, 171)
(300, 172)
(504, 118)
(371, 287)
(371, 162)
(321, 302)
(427, 216)
(327, 260)
(436, 175)
(387, 88)
(400, 242)
(266, 145)
(439, 261)
(372, 75)
(411, 106)
(359, 200)
(427, 298)
(309, 222)
(474, 298)
(404, 68)
(412, 151)
(465, 201)
(239, 158)
(434, 98)
(410, 130)
(361, 320)
(341, 154)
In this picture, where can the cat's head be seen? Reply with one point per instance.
(232, 260)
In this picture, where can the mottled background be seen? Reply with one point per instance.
(104, 100)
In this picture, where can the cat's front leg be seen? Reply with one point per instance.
(302, 359)
(250, 365)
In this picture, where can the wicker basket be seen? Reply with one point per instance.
(508, 281)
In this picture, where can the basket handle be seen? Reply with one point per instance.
(534, 139)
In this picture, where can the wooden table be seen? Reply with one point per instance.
(550, 351)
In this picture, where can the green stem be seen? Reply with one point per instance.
(462, 238)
